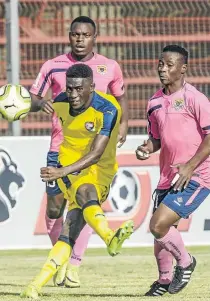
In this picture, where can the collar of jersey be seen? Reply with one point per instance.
(81, 110)
(69, 55)
(168, 96)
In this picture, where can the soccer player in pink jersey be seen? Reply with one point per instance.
(107, 77)
(178, 125)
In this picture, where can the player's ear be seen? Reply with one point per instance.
(184, 68)
(95, 36)
(92, 87)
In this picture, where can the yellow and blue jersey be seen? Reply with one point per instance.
(102, 117)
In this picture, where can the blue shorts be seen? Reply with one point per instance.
(186, 201)
(52, 188)
(158, 196)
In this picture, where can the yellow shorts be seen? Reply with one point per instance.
(83, 178)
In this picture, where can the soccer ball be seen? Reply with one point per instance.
(124, 192)
(15, 102)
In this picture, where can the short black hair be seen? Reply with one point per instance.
(177, 49)
(79, 71)
(83, 19)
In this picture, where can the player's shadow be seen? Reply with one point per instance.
(9, 294)
(10, 284)
(104, 295)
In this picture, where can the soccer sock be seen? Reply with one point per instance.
(164, 262)
(57, 257)
(173, 243)
(95, 217)
(80, 245)
(54, 227)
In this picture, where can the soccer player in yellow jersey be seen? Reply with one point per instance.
(87, 164)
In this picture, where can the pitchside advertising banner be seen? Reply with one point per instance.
(23, 198)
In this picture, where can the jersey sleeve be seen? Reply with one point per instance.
(109, 119)
(201, 106)
(43, 80)
(116, 86)
(152, 127)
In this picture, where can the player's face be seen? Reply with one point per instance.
(79, 91)
(171, 68)
(82, 39)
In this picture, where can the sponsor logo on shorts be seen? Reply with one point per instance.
(178, 201)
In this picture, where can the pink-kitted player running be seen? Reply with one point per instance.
(108, 78)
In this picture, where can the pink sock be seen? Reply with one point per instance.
(81, 245)
(54, 227)
(164, 262)
(173, 243)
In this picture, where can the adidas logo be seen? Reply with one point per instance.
(160, 291)
(186, 276)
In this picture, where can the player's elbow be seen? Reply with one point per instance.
(96, 157)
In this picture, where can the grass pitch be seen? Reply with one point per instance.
(125, 277)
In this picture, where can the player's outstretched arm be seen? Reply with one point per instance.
(38, 103)
(96, 151)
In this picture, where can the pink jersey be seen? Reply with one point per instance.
(106, 73)
(181, 121)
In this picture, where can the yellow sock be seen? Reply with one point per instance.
(95, 218)
(57, 257)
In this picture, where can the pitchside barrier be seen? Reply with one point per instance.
(23, 198)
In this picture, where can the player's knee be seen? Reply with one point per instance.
(86, 193)
(55, 206)
(54, 213)
(157, 228)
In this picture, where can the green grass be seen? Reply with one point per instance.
(125, 277)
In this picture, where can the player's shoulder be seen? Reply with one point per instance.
(103, 60)
(156, 98)
(56, 62)
(193, 93)
(103, 102)
(62, 58)
(61, 103)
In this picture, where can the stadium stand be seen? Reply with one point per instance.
(130, 31)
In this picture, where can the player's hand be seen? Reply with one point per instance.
(50, 173)
(185, 172)
(142, 152)
(122, 134)
(47, 106)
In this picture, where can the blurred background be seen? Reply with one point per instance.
(129, 31)
(133, 32)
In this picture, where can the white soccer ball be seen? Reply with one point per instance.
(15, 102)
(124, 192)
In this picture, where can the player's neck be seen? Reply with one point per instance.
(173, 88)
(82, 58)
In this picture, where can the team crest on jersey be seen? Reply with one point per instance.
(102, 69)
(89, 126)
(178, 104)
